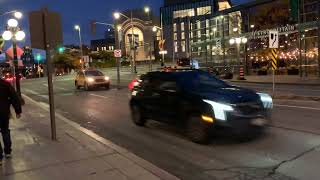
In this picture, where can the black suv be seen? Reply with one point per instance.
(198, 101)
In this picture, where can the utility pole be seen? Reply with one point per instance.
(299, 40)
(319, 39)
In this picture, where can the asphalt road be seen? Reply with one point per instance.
(293, 134)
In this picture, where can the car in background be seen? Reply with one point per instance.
(199, 102)
(8, 76)
(89, 79)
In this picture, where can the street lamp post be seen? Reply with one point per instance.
(238, 41)
(14, 33)
(77, 28)
(156, 29)
(147, 10)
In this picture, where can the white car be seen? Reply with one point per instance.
(91, 79)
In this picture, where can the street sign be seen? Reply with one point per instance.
(52, 25)
(86, 59)
(273, 39)
(161, 44)
(218, 43)
(117, 53)
(274, 56)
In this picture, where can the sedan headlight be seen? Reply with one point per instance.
(219, 109)
(90, 80)
(266, 99)
(106, 78)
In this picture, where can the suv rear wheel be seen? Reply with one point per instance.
(137, 115)
(198, 130)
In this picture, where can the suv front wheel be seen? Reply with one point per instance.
(197, 130)
(137, 115)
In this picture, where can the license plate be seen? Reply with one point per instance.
(259, 122)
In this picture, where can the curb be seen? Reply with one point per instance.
(162, 174)
(283, 83)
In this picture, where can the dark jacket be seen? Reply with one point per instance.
(8, 97)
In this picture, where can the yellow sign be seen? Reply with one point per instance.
(274, 59)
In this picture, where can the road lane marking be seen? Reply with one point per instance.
(61, 88)
(104, 97)
(298, 107)
(31, 91)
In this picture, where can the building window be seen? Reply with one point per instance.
(183, 13)
(182, 26)
(175, 37)
(175, 46)
(175, 27)
(199, 34)
(191, 34)
(183, 46)
(207, 33)
(111, 48)
(183, 36)
(207, 23)
(97, 48)
(208, 47)
(203, 10)
(199, 51)
(198, 25)
(191, 26)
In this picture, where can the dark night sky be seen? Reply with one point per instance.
(79, 11)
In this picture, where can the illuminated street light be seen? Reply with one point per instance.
(244, 40)
(20, 35)
(231, 41)
(116, 15)
(18, 15)
(235, 29)
(77, 27)
(146, 9)
(252, 26)
(154, 29)
(7, 35)
(238, 40)
(119, 27)
(12, 23)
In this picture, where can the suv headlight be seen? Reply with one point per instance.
(266, 99)
(219, 109)
(90, 80)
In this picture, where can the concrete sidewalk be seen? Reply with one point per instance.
(78, 154)
(281, 79)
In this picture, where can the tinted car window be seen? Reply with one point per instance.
(93, 73)
(199, 80)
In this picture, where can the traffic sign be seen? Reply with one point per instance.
(161, 44)
(117, 53)
(274, 56)
(218, 43)
(273, 39)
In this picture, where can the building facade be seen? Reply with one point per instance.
(137, 38)
(187, 22)
(105, 44)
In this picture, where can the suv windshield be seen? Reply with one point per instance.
(200, 81)
(93, 73)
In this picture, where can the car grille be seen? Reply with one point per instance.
(100, 80)
(250, 108)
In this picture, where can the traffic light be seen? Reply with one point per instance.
(38, 57)
(61, 49)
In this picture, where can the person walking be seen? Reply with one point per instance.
(8, 97)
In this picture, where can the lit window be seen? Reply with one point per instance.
(182, 26)
(191, 34)
(199, 34)
(183, 36)
(175, 37)
(207, 33)
(207, 23)
(203, 10)
(199, 25)
(97, 48)
(174, 27)
(183, 46)
(208, 47)
(183, 13)
(175, 46)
